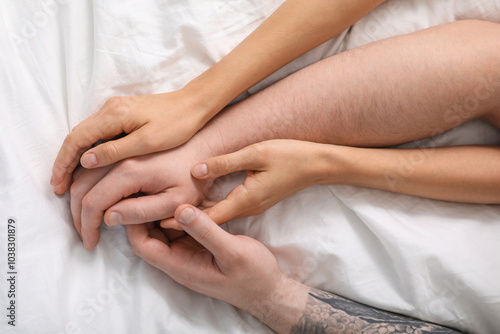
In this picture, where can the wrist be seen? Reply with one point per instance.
(213, 91)
(331, 165)
(203, 103)
(283, 305)
(364, 167)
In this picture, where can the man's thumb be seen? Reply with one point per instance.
(203, 229)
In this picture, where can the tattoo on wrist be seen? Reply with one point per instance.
(328, 313)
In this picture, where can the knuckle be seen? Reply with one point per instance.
(205, 235)
(139, 215)
(235, 258)
(222, 165)
(149, 141)
(251, 198)
(87, 203)
(113, 101)
(128, 166)
(80, 138)
(135, 248)
(120, 111)
(77, 128)
(117, 106)
(259, 152)
(69, 137)
(108, 151)
(76, 191)
(72, 137)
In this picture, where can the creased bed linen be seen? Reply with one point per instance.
(61, 59)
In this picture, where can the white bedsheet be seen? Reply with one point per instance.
(61, 59)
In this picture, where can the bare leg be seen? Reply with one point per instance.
(386, 93)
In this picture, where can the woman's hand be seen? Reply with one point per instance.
(233, 268)
(152, 123)
(275, 170)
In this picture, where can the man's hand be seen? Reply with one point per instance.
(233, 268)
(275, 170)
(243, 272)
(136, 190)
(153, 123)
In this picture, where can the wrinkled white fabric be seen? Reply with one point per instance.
(59, 62)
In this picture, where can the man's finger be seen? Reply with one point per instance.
(142, 209)
(81, 186)
(245, 159)
(78, 172)
(117, 184)
(204, 230)
(152, 250)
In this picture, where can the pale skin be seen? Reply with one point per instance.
(243, 272)
(159, 122)
(385, 93)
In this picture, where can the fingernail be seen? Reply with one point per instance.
(89, 160)
(186, 216)
(58, 190)
(52, 180)
(200, 170)
(86, 244)
(115, 219)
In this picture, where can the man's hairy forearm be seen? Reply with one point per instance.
(328, 313)
(386, 93)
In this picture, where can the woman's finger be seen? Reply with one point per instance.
(244, 159)
(80, 139)
(131, 145)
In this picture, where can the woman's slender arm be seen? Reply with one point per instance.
(469, 174)
(294, 28)
(163, 121)
(279, 168)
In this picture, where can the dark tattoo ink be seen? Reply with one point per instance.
(328, 313)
